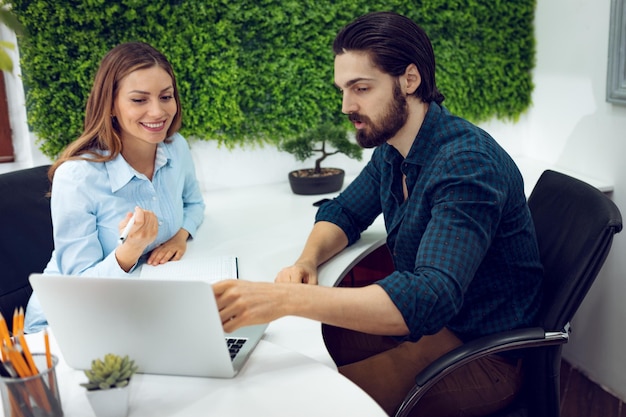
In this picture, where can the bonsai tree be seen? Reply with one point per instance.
(8, 19)
(112, 372)
(326, 140)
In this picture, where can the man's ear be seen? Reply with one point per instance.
(412, 78)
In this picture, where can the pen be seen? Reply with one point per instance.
(126, 230)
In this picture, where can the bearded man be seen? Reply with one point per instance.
(460, 234)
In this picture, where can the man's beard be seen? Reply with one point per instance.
(393, 119)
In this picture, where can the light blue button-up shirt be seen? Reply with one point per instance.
(90, 199)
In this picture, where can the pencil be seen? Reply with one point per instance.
(16, 321)
(36, 387)
(5, 337)
(17, 360)
(27, 354)
(20, 317)
(46, 342)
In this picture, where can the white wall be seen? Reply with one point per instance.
(570, 125)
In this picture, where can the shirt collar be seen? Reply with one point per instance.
(425, 143)
(121, 173)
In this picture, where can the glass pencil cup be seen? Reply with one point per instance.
(33, 396)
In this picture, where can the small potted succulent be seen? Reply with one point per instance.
(108, 385)
(325, 140)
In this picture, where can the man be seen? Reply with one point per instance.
(465, 256)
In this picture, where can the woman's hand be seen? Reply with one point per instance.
(143, 232)
(172, 250)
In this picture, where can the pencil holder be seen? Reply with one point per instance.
(34, 396)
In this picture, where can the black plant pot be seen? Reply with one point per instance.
(305, 182)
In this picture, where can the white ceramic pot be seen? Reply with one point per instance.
(110, 402)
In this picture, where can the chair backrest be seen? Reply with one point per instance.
(575, 224)
(26, 234)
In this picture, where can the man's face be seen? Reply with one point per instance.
(372, 99)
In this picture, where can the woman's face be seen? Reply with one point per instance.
(145, 105)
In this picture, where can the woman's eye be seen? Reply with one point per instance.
(167, 98)
(138, 100)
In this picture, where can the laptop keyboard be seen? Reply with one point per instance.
(234, 345)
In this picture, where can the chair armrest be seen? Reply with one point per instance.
(486, 345)
(472, 350)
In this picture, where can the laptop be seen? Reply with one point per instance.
(169, 327)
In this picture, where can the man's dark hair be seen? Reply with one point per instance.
(393, 42)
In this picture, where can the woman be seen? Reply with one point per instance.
(130, 162)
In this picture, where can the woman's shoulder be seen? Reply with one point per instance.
(177, 144)
(79, 168)
(178, 140)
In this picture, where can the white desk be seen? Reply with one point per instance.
(266, 227)
(275, 382)
(290, 372)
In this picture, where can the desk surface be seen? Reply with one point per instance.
(290, 372)
(275, 382)
(266, 227)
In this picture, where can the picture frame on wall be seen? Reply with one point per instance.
(616, 72)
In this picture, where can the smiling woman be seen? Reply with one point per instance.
(129, 159)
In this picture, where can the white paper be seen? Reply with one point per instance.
(210, 269)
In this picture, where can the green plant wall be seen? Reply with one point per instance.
(253, 72)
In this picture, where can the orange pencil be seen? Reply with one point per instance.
(16, 321)
(35, 387)
(20, 317)
(5, 337)
(18, 363)
(27, 354)
(15, 408)
(4, 330)
(46, 342)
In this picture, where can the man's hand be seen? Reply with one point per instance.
(244, 303)
(300, 272)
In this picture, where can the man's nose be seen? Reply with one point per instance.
(348, 104)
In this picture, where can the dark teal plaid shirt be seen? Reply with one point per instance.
(463, 243)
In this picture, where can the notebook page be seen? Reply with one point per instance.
(210, 269)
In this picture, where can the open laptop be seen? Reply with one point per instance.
(168, 327)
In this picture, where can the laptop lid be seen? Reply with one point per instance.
(168, 327)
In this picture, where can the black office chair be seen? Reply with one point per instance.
(575, 225)
(25, 234)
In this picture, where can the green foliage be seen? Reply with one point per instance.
(112, 372)
(256, 72)
(318, 140)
